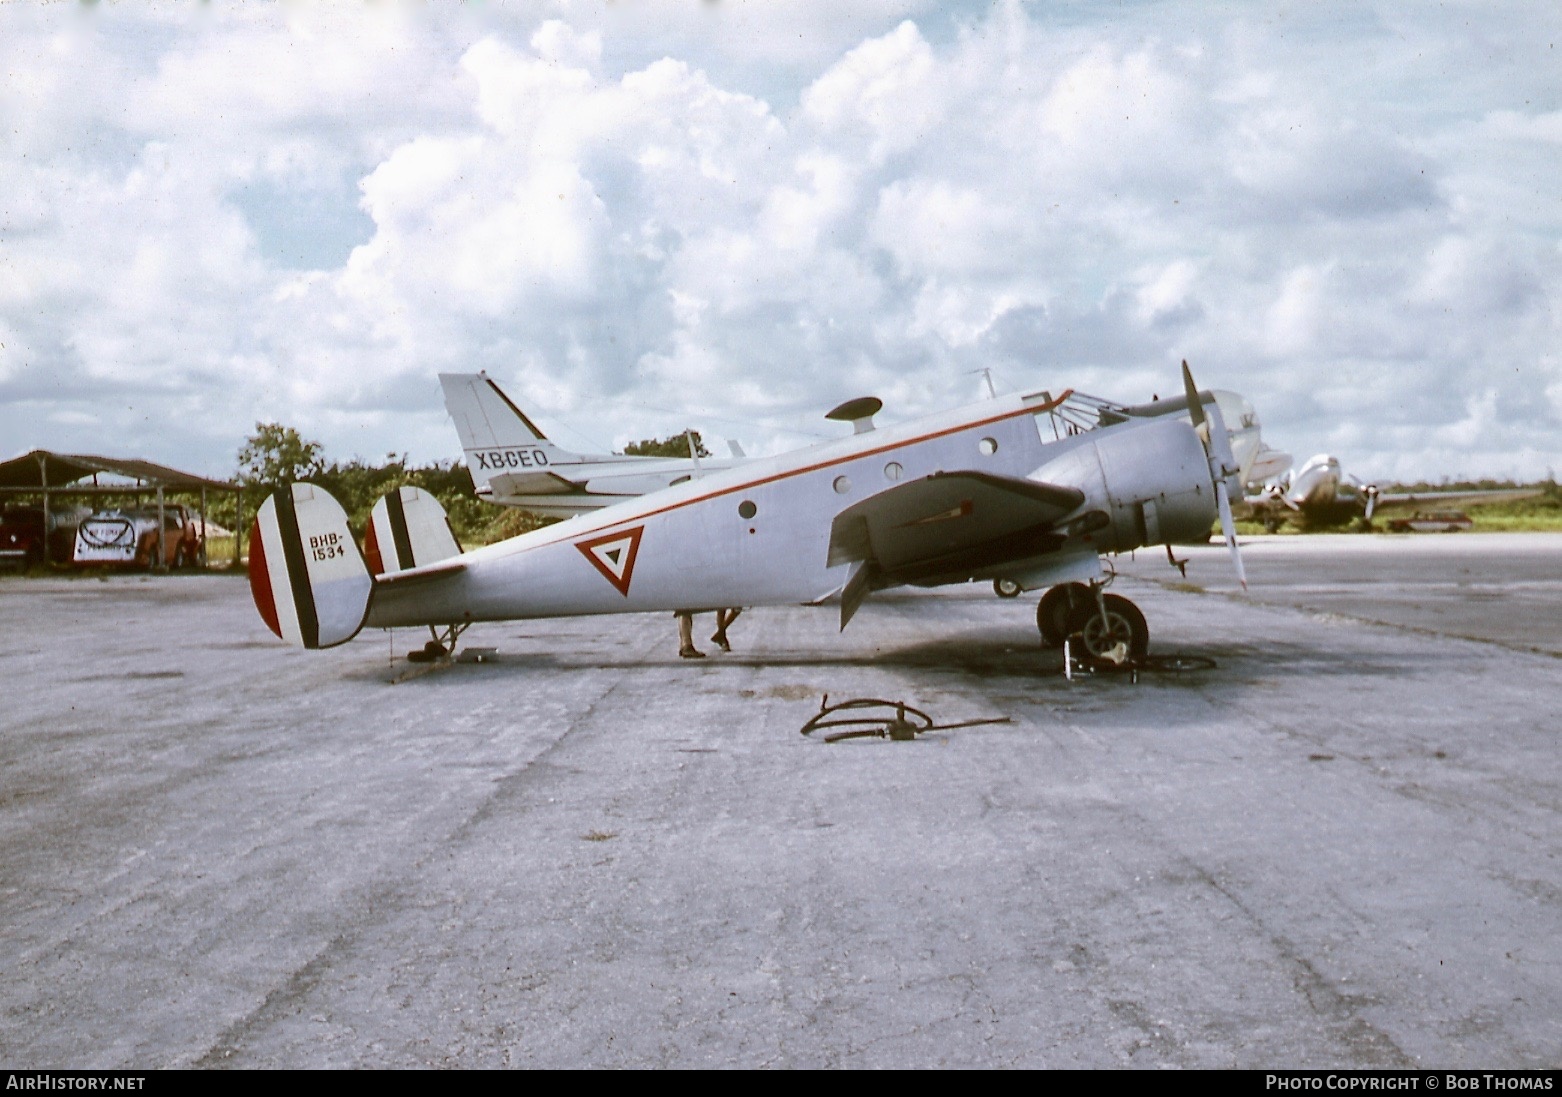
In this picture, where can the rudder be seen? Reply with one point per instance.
(408, 529)
(307, 577)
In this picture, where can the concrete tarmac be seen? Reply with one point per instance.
(1339, 847)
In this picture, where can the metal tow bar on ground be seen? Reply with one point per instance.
(875, 718)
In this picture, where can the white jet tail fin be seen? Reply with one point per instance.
(485, 417)
(496, 436)
(307, 577)
(408, 529)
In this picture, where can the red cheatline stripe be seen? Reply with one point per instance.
(260, 581)
(543, 542)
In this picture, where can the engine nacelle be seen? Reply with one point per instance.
(1146, 482)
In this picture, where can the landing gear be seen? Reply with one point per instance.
(1006, 588)
(1101, 628)
(1053, 611)
(441, 647)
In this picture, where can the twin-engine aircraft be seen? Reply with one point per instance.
(1029, 488)
(1320, 494)
(515, 465)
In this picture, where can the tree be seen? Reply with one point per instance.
(275, 455)
(675, 446)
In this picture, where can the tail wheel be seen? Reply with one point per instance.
(1006, 588)
(1053, 611)
(1123, 624)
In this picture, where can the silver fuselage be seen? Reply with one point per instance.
(759, 533)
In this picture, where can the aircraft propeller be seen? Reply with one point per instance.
(1217, 470)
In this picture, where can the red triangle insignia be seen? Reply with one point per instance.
(614, 556)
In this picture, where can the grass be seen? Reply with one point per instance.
(1538, 513)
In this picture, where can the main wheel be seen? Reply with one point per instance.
(1053, 610)
(1124, 624)
(1006, 588)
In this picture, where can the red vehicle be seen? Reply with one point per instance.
(129, 537)
(26, 536)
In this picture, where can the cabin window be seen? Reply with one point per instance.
(988, 446)
(747, 509)
(892, 471)
(843, 484)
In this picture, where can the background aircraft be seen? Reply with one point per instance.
(514, 464)
(1032, 488)
(1320, 494)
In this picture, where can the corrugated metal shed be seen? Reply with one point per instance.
(43, 469)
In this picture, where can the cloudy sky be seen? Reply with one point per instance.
(639, 216)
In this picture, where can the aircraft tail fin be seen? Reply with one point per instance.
(308, 579)
(485, 417)
(496, 436)
(408, 529)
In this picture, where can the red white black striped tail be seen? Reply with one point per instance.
(306, 574)
(407, 529)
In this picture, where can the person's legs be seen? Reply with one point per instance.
(686, 646)
(724, 617)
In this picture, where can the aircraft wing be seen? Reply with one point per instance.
(1450, 498)
(950, 523)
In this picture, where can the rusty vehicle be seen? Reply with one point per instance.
(129, 538)
(29, 535)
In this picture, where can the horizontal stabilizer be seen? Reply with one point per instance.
(530, 483)
(400, 580)
(307, 577)
(408, 529)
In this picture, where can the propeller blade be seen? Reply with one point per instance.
(1223, 501)
(1195, 405)
(1217, 473)
(1372, 503)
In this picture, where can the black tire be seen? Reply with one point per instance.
(1124, 623)
(1006, 588)
(1053, 610)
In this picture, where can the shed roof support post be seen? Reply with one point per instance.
(43, 482)
(160, 563)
